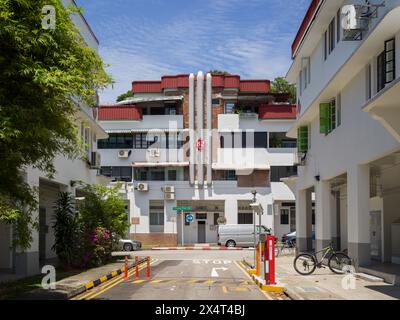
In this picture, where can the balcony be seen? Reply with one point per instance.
(277, 112)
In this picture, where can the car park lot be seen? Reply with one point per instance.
(184, 275)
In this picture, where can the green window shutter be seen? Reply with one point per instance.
(302, 139)
(325, 118)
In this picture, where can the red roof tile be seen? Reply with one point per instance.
(120, 113)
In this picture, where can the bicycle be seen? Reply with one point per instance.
(287, 246)
(306, 263)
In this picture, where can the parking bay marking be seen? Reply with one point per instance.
(208, 261)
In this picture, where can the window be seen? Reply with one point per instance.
(326, 45)
(156, 216)
(157, 175)
(390, 66)
(239, 140)
(170, 109)
(245, 218)
(228, 175)
(216, 216)
(338, 25)
(380, 64)
(143, 141)
(260, 140)
(301, 82)
(369, 81)
(277, 173)
(116, 141)
(339, 110)
(279, 140)
(328, 116)
(157, 111)
(201, 216)
(229, 108)
(331, 35)
(171, 175)
(117, 173)
(303, 139)
(285, 216)
(216, 101)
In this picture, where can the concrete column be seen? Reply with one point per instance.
(191, 130)
(303, 220)
(27, 262)
(323, 212)
(231, 209)
(358, 189)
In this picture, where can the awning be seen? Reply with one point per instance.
(159, 164)
(145, 130)
(239, 167)
(149, 99)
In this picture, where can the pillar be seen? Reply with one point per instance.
(323, 212)
(304, 220)
(358, 189)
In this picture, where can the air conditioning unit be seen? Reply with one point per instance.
(124, 154)
(95, 160)
(169, 189)
(169, 196)
(143, 187)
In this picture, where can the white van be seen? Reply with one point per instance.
(232, 235)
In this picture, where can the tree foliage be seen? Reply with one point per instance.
(281, 85)
(40, 70)
(125, 96)
(219, 72)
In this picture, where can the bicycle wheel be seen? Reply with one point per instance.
(305, 264)
(339, 263)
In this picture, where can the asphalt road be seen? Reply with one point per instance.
(189, 275)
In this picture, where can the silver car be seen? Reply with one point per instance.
(129, 245)
(232, 235)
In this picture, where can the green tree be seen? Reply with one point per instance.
(281, 85)
(66, 229)
(40, 70)
(125, 96)
(219, 72)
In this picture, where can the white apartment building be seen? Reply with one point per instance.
(69, 174)
(348, 128)
(160, 147)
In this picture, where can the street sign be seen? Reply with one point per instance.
(189, 218)
(183, 208)
(135, 220)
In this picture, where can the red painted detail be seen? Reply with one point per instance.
(218, 81)
(277, 111)
(255, 86)
(136, 267)
(131, 112)
(148, 269)
(146, 86)
(269, 256)
(308, 18)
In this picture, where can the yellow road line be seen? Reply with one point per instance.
(243, 269)
(224, 289)
(138, 281)
(114, 284)
(113, 280)
(156, 281)
(193, 281)
(210, 282)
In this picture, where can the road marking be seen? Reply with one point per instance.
(210, 282)
(156, 281)
(208, 261)
(224, 289)
(242, 289)
(114, 283)
(243, 269)
(214, 272)
(193, 281)
(138, 281)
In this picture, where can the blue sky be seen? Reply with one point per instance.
(145, 39)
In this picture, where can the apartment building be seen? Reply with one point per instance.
(345, 65)
(68, 175)
(190, 150)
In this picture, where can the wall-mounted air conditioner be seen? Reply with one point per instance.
(169, 189)
(169, 196)
(143, 187)
(123, 154)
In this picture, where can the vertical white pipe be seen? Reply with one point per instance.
(191, 129)
(200, 125)
(209, 129)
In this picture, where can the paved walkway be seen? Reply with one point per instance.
(323, 285)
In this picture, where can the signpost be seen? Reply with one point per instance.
(189, 218)
(181, 209)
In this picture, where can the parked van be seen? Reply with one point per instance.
(232, 235)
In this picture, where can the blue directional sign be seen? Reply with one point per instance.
(189, 218)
